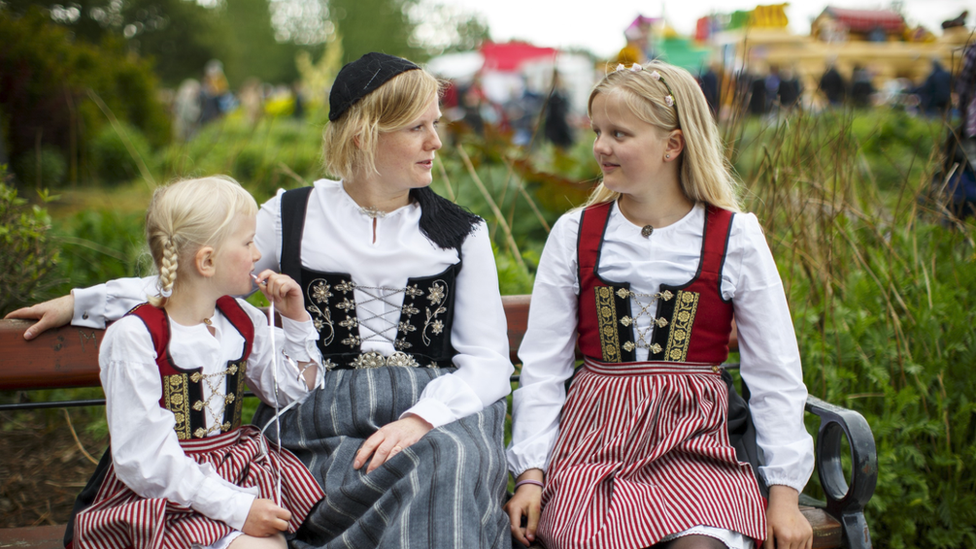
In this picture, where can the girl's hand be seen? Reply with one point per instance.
(266, 519)
(527, 502)
(390, 440)
(284, 292)
(54, 313)
(787, 528)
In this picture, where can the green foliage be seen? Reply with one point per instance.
(881, 293)
(27, 258)
(45, 168)
(99, 245)
(277, 152)
(375, 25)
(116, 153)
(51, 86)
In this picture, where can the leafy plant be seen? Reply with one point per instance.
(27, 257)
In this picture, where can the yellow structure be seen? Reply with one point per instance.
(758, 47)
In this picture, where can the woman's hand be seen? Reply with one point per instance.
(390, 440)
(266, 519)
(50, 314)
(284, 292)
(787, 528)
(527, 502)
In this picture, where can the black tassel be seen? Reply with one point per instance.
(442, 221)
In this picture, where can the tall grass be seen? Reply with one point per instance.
(883, 294)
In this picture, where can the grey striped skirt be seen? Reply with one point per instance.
(445, 491)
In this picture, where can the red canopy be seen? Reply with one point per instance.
(508, 57)
(868, 20)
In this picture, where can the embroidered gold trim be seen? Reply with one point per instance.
(680, 337)
(176, 396)
(606, 311)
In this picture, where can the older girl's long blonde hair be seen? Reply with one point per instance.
(186, 215)
(704, 173)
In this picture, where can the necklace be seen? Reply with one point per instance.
(369, 211)
(646, 231)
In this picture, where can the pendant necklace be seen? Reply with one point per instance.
(646, 231)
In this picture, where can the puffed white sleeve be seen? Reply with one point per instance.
(480, 337)
(547, 351)
(282, 348)
(770, 358)
(103, 303)
(145, 449)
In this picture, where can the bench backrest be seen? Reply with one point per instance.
(68, 356)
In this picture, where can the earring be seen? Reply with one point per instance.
(667, 156)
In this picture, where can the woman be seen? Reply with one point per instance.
(406, 433)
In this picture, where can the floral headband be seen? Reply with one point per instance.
(669, 98)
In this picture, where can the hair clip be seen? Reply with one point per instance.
(669, 98)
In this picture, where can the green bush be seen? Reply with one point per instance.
(27, 257)
(116, 153)
(60, 92)
(47, 169)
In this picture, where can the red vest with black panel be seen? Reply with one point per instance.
(183, 389)
(693, 321)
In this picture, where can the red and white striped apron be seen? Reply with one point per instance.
(119, 518)
(643, 452)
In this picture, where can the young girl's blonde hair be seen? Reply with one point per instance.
(704, 173)
(186, 215)
(389, 108)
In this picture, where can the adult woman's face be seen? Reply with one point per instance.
(404, 158)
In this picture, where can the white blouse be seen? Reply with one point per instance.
(145, 448)
(770, 359)
(339, 237)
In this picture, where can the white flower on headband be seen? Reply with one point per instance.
(656, 75)
(620, 67)
(669, 100)
(636, 67)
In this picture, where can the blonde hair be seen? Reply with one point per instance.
(704, 173)
(390, 107)
(186, 215)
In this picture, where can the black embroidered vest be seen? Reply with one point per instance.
(422, 332)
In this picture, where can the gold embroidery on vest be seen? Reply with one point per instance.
(606, 310)
(176, 396)
(680, 337)
(239, 401)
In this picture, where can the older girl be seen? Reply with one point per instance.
(646, 279)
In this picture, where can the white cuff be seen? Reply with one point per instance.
(432, 411)
(300, 338)
(89, 307)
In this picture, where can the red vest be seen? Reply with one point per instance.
(693, 322)
(183, 389)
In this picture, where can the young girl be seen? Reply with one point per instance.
(183, 471)
(646, 279)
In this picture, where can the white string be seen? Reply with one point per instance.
(274, 363)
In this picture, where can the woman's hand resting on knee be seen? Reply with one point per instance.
(390, 440)
(527, 502)
(787, 528)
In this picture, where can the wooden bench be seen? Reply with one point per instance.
(68, 357)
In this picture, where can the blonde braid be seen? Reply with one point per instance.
(169, 263)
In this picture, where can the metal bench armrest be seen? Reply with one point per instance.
(845, 502)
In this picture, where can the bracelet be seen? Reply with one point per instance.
(528, 481)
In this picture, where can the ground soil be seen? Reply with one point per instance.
(42, 467)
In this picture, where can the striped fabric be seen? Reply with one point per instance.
(445, 491)
(119, 518)
(643, 452)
